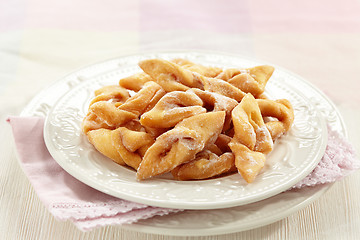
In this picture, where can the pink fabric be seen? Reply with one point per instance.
(64, 196)
(338, 161)
(69, 199)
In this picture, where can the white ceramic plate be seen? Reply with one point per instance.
(219, 221)
(294, 155)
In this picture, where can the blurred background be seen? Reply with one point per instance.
(40, 41)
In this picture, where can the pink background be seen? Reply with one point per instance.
(318, 40)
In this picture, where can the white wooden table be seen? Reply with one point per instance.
(38, 46)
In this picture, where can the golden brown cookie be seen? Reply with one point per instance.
(249, 163)
(172, 108)
(281, 114)
(222, 87)
(102, 141)
(105, 115)
(113, 93)
(193, 67)
(249, 127)
(205, 165)
(144, 100)
(249, 80)
(135, 82)
(181, 144)
(171, 76)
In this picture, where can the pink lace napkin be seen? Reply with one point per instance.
(64, 196)
(69, 199)
(338, 161)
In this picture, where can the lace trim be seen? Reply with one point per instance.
(338, 161)
(123, 218)
(78, 211)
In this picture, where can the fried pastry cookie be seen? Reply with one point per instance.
(202, 70)
(101, 139)
(105, 115)
(123, 146)
(205, 165)
(181, 144)
(171, 76)
(135, 82)
(249, 126)
(249, 80)
(144, 100)
(248, 163)
(216, 102)
(251, 138)
(113, 93)
(222, 87)
(172, 108)
(131, 145)
(281, 112)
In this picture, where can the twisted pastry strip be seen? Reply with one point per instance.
(171, 76)
(113, 92)
(222, 87)
(135, 125)
(249, 163)
(229, 73)
(135, 82)
(102, 140)
(251, 138)
(217, 102)
(250, 80)
(105, 115)
(144, 100)
(172, 108)
(181, 144)
(109, 115)
(193, 67)
(206, 165)
(122, 145)
(131, 145)
(280, 109)
(215, 160)
(249, 126)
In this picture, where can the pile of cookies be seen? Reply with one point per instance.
(194, 121)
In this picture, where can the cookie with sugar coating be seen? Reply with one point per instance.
(181, 144)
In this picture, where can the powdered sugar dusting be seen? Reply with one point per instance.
(263, 136)
(222, 102)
